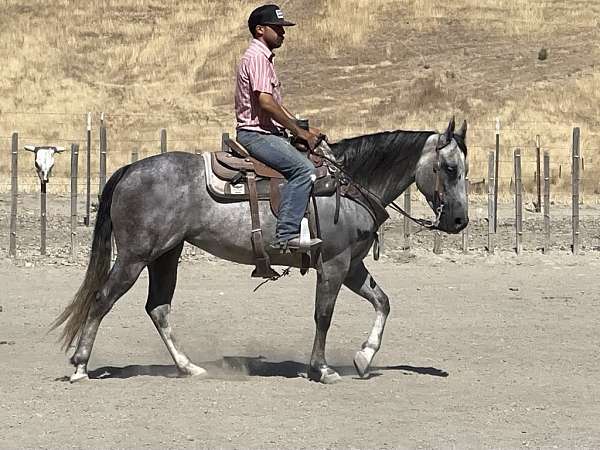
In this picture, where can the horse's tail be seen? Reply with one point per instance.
(76, 312)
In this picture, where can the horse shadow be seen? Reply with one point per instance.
(242, 367)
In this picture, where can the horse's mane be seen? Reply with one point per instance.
(371, 153)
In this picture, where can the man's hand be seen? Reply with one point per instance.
(312, 139)
(283, 117)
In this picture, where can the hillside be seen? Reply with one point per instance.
(351, 66)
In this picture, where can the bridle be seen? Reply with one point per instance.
(438, 194)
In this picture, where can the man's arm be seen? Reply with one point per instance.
(311, 129)
(283, 117)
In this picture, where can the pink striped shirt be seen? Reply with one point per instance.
(256, 74)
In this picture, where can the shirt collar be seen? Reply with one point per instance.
(263, 49)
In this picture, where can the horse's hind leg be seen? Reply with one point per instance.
(163, 277)
(360, 281)
(122, 276)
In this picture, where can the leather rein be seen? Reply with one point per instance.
(438, 193)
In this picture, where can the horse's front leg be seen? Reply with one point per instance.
(360, 281)
(329, 283)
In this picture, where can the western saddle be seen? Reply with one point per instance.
(232, 175)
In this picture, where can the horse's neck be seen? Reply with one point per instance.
(393, 169)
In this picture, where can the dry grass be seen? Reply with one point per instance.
(373, 65)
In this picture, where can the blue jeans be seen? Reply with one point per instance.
(278, 153)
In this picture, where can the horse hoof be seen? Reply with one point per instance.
(331, 378)
(78, 377)
(362, 361)
(192, 370)
(324, 375)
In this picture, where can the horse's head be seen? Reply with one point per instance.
(441, 177)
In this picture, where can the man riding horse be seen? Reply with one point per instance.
(262, 121)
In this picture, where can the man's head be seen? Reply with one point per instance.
(267, 23)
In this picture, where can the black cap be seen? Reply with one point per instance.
(267, 15)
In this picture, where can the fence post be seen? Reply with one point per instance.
(546, 202)
(74, 171)
(575, 190)
(43, 221)
(163, 140)
(465, 233)
(491, 214)
(102, 175)
(437, 243)
(406, 219)
(224, 139)
(538, 205)
(496, 177)
(86, 219)
(381, 239)
(518, 203)
(14, 194)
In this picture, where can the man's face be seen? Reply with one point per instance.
(272, 35)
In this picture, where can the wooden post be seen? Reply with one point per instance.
(88, 174)
(546, 203)
(496, 177)
(491, 214)
(518, 203)
(14, 194)
(102, 175)
(406, 219)
(465, 233)
(381, 239)
(43, 221)
(74, 171)
(224, 146)
(134, 156)
(538, 205)
(437, 243)
(163, 140)
(575, 190)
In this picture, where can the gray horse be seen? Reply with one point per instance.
(155, 205)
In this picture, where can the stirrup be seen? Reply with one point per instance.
(294, 245)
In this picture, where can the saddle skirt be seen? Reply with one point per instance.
(226, 177)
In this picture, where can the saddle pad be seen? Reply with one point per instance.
(225, 190)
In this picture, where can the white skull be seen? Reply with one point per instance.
(44, 159)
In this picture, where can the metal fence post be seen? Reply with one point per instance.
(575, 190)
(491, 214)
(88, 174)
(103, 149)
(74, 172)
(406, 219)
(518, 203)
(43, 218)
(546, 203)
(163, 140)
(465, 233)
(538, 205)
(496, 176)
(14, 194)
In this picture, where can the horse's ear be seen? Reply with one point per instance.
(450, 131)
(462, 132)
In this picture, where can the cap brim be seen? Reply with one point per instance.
(283, 23)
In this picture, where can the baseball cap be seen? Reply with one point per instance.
(267, 15)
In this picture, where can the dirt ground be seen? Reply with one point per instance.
(480, 351)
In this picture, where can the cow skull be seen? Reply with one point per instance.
(44, 159)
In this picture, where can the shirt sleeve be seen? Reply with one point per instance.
(260, 75)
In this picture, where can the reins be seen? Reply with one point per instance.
(438, 204)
